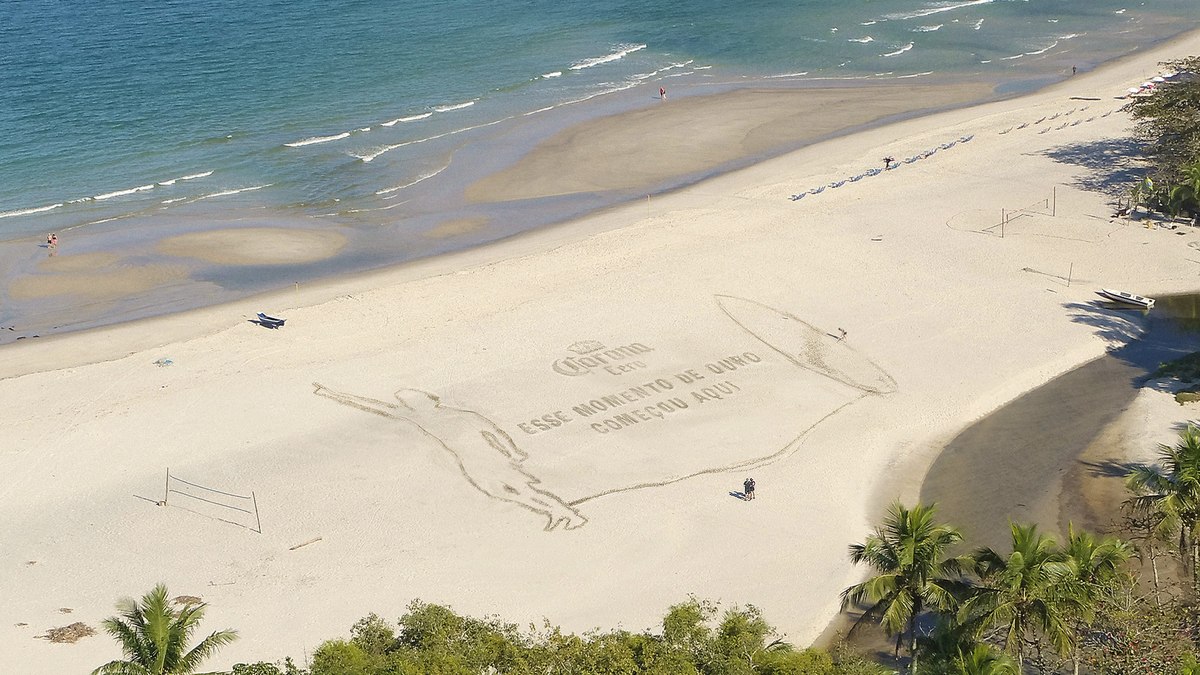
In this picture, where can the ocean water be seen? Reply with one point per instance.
(112, 110)
(122, 123)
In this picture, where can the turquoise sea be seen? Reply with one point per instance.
(118, 116)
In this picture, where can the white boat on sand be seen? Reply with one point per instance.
(1126, 298)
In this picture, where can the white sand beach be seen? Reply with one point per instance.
(551, 426)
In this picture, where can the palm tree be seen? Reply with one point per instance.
(1095, 570)
(1171, 490)
(909, 552)
(983, 660)
(1025, 591)
(154, 637)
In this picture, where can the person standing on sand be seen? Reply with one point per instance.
(748, 488)
(486, 455)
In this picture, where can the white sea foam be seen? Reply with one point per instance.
(863, 40)
(172, 201)
(986, 61)
(410, 118)
(557, 73)
(702, 67)
(453, 106)
(772, 77)
(1068, 36)
(382, 208)
(26, 212)
(1043, 50)
(539, 110)
(869, 23)
(1052, 20)
(928, 29)
(900, 51)
(1010, 58)
(408, 185)
(122, 193)
(318, 139)
(369, 157)
(226, 193)
(621, 52)
(193, 176)
(938, 8)
(1119, 11)
(905, 77)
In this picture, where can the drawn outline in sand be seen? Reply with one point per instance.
(502, 475)
(491, 464)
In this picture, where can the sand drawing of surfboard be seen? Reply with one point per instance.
(807, 346)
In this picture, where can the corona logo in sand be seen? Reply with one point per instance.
(592, 356)
(728, 386)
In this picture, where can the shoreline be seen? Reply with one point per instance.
(181, 280)
(944, 319)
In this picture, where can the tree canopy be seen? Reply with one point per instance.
(1168, 123)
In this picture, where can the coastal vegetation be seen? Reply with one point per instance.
(1092, 604)
(1042, 607)
(1168, 123)
(154, 635)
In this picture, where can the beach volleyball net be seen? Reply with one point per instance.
(1009, 220)
(210, 502)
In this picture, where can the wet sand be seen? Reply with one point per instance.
(1057, 455)
(639, 150)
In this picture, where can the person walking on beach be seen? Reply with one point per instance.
(1072, 70)
(748, 488)
(662, 93)
(487, 456)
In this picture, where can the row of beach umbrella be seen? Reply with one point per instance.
(891, 166)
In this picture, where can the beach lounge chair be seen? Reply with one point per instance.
(799, 196)
(854, 179)
(817, 191)
(966, 139)
(1006, 131)
(838, 184)
(1023, 125)
(1040, 121)
(268, 321)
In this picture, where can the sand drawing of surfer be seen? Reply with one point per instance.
(486, 455)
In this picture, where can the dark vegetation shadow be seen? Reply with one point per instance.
(1116, 326)
(1112, 166)
(1110, 468)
